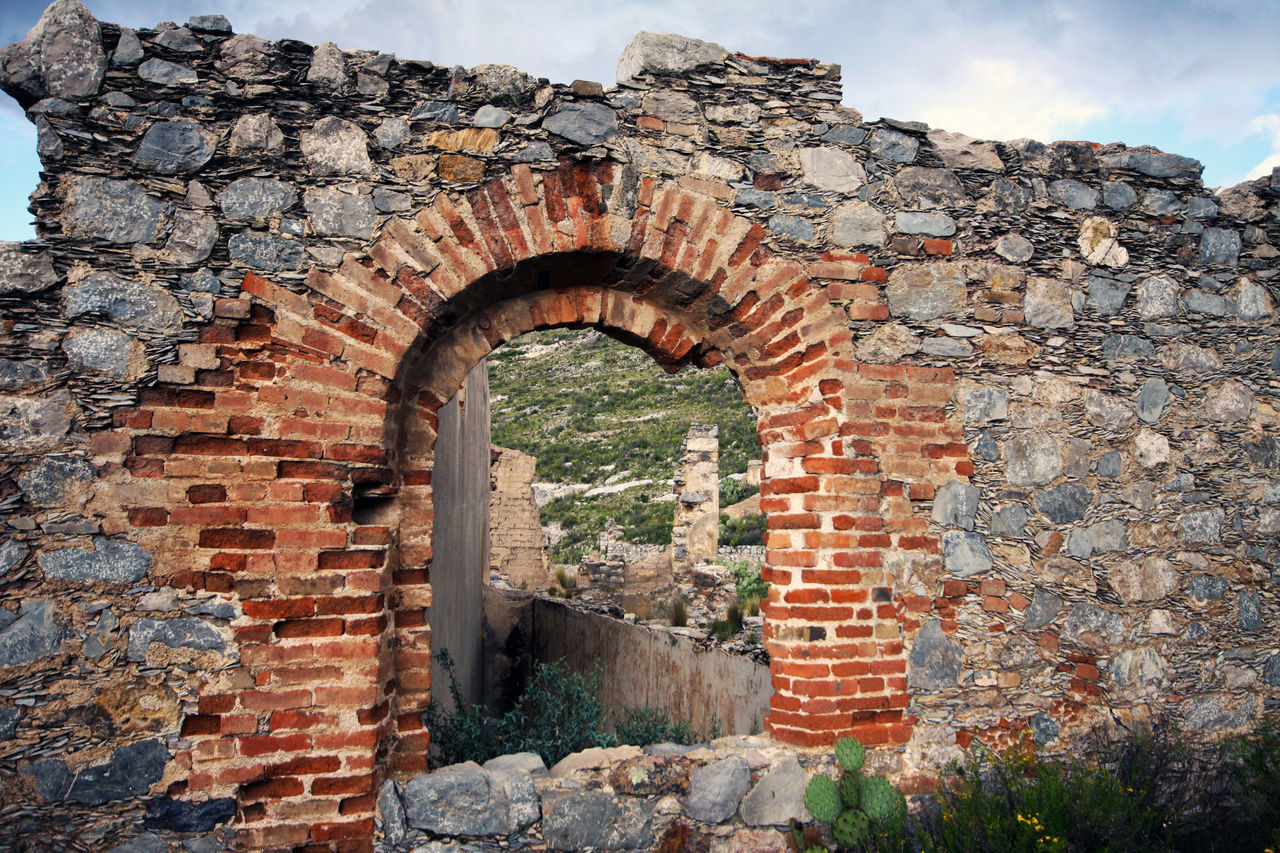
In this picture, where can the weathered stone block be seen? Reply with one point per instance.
(177, 147)
(584, 122)
(926, 291)
(716, 789)
(182, 632)
(334, 147)
(935, 659)
(657, 53)
(24, 270)
(778, 797)
(33, 635)
(113, 211)
(127, 302)
(109, 562)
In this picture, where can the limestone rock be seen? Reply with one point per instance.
(1152, 579)
(9, 717)
(33, 423)
(265, 251)
(23, 270)
(1048, 304)
(1094, 626)
(457, 800)
(192, 237)
(126, 302)
(1158, 298)
(177, 147)
(1099, 243)
(391, 133)
(109, 562)
(184, 631)
(858, 224)
(1150, 448)
(778, 797)
(113, 211)
(1230, 402)
(66, 46)
(328, 67)
(1138, 668)
(165, 73)
(926, 291)
(586, 820)
(1034, 459)
(935, 659)
(922, 186)
(887, 344)
(965, 554)
(256, 198)
(334, 147)
(584, 122)
(1250, 301)
(832, 169)
(1042, 610)
(657, 53)
(716, 789)
(256, 132)
(955, 504)
(105, 352)
(964, 152)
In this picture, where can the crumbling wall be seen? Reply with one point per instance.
(517, 543)
(695, 535)
(1017, 406)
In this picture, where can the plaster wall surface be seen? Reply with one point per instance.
(1016, 401)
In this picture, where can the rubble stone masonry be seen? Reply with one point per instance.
(1017, 407)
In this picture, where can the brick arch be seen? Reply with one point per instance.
(310, 391)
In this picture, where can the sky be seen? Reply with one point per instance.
(1193, 77)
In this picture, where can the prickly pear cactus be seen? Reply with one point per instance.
(851, 754)
(816, 848)
(881, 803)
(822, 799)
(851, 828)
(850, 789)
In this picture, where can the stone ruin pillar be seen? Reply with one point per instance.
(695, 534)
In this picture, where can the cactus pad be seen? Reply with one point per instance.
(850, 789)
(851, 828)
(822, 799)
(882, 803)
(850, 753)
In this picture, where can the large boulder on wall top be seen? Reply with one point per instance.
(663, 53)
(62, 56)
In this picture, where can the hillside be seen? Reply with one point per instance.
(598, 413)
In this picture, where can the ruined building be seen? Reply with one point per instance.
(1017, 406)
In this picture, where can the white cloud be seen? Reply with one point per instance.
(1266, 124)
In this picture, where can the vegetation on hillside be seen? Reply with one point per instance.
(593, 410)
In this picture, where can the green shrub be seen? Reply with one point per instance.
(748, 530)
(644, 726)
(558, 714)
(676, 611)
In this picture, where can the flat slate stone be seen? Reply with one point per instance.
(130, 773)
(1042, 610)
(1009, 521)
(935, 659)
(716, 789)
(33, 635)
(9, 717)
(165, 73)
(177, 147)
(112, 211)
(110, 561)
(145, 843)
(1073, 195)
(172, 815)
(583, 122)
(183, 632)
(1064, 504)
(1118, 196)
(893, 146)
(1151, 399)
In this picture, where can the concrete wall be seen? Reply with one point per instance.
(642, 666)
(461, 565)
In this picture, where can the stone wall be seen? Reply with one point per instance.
(1017, 406)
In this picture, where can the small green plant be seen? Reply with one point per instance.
(558, 713)
(864, 812)
(566, 583)
(748, 530)
(676, 611)
(748, 582)
(647, 725)
(731, 624)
